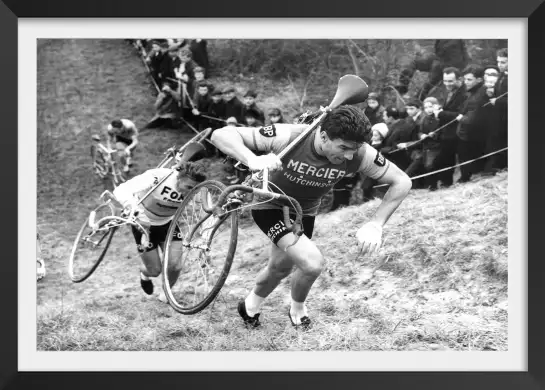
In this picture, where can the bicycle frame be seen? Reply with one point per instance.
(110, 163)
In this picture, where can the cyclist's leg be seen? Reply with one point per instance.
(124, 159)
(151, 260)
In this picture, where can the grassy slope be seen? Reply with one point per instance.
(444, 284)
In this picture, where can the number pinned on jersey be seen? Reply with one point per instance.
(380, 160)
(268, 131)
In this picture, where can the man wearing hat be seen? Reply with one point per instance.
(233, 106)
(250, 105)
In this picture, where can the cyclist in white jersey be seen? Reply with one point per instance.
(333, 150)
(156, 213)
(124, 134)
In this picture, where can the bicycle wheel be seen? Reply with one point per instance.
(205, 253)
(90, 246)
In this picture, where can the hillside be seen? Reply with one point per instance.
(443, 285)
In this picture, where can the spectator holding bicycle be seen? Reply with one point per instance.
(124, 134)
(331, 151)
(155, 212)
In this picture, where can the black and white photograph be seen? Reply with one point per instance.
(197, 192)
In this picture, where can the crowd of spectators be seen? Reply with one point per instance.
(460, 113)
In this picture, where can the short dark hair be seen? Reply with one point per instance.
(192, 170)
(117, 123)
(475, 70)
(452, 69)
(251, 93)
(203, 83)
(347, 123)
(392, 112)
(502, 52)
(414, 103)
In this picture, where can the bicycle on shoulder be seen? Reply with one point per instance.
(96, 233)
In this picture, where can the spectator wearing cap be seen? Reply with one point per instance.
(414, 118)
(233, 106)
(470, 129)
(250, 105)
(154, 59)
(217, 109)
(202, 103)
(379, 132)
(499, 161)
(451, 95)
(275, 116)
(192, 85)
(170, 63)
(374, 111)
(251, 118)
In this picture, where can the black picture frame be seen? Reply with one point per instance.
(10, 378)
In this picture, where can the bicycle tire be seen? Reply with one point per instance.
(209, 261)
(107, 236)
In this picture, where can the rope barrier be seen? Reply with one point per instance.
(452, 167)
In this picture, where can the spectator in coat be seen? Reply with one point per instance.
(166, 106)
(217, 109)
(154, 59)
(499, 137)
(202, 103)
(451, 95)
(447, 53)
(430, 145)
(400, 131)
(374, 111)
(470, 129)
(233, 106)
(250, 105)
(251, 118)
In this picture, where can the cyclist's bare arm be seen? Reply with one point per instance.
(241, 142)
(374, 165)
(134, 142)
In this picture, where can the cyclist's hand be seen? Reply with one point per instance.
(128, 151)
(195, 112)
(370, 236)
(268, 161)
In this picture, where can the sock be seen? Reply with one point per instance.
(298, 310)
(253, 303)
(143, 277)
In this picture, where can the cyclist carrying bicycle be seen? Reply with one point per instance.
(335, 149)
(155, 213)
(124, 134)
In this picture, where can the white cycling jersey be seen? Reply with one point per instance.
(159, 207)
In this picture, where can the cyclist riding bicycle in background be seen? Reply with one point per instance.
(125, 135)
(335, 149)
(155, 213)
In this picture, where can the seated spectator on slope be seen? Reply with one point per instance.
(275, 116)
(470, 127)
(374, 111)
(167, 107)
(233, 106)
(250, 104)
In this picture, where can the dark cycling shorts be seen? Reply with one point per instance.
(271, 222)
(125, 141)
(158, 235)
